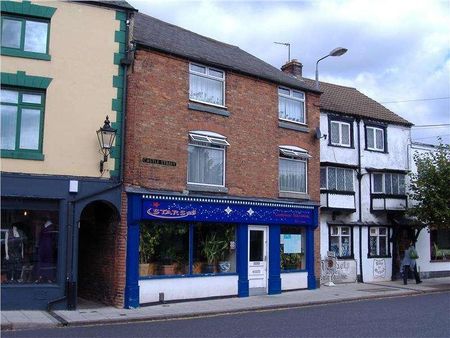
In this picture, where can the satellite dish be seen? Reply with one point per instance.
(319, 135)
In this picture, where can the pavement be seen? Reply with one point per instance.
(89, 313)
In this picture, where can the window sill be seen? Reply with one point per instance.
(208, 109)
(206, 188)
(293, 126)
(340, 146)
(336, 192)
(23, 54)
(22, 155)
(377, 151)
(298, 195)
(388, 256)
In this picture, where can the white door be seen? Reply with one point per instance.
(257, 259)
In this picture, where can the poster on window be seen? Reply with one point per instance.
(292, 243)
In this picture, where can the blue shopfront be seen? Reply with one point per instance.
(183, 247)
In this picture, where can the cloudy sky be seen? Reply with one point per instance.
(398, 51)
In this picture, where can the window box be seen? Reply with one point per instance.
(206, 85)
(291, 105)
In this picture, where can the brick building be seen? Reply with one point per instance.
(221, 171)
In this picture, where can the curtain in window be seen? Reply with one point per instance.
(379, 138)
(349, 179)
(205, 89)
(388, 183)
(345, 134)
(323, 178)
(370, 137)
(292, 175)
(332, 178)
(292, 110)
(334, 132)
(8, 127)
(340, 179)
(205, 165)
(378, 183)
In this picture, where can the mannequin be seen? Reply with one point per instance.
(14, 243)
(47, 252)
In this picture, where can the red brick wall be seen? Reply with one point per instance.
(158, 122)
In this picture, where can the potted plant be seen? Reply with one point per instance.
(149, 241)
(213, 248)
(224, 263)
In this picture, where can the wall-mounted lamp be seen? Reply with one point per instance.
(106, 136)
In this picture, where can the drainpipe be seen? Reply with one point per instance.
(361, 279)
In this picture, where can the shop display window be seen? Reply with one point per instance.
(292, 248)
(29, 243)
(175, 248)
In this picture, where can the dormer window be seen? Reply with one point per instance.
(206, 85)
(291, 105)
(293, 169)
(206, 159)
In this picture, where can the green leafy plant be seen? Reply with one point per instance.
(214, 248)
(149, 241)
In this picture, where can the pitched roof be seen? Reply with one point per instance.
(350, 101)
(110, 3)
(168, 38)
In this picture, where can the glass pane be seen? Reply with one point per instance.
(323, 178)
(256, 246)
(345, 134)
(214, 248)
(9, 96)
(382, 231)
(370, 138)
(383, 246)
(388, 183)
(334, 231)
(349, 179)
(401, 183)
(335, 133)
(283, 91)
(335, 245)
(292, 175)
(29, 129)
(346, 251)
(32, 249)
(36, 36)
(205, 165)
(8, 127)
(345, 231)
(198, 69)
(11, 30)
(332, 178)
(340, 179)
(373, 245)
(377, 182)
(291, 110)
(298, 95)
(205, 89)
(292, 244)
(215, 73)
(380, 139)
(32, 98)
(395, 184)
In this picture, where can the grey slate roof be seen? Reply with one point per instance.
(111, 4)
(350, 101)
(168, 38)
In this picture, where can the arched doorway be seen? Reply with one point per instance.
(96, 251)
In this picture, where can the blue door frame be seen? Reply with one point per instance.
(240, 212)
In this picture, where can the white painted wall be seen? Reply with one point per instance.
(187, 288)
(294, 280)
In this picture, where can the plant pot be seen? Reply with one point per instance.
(168, 269)
(153, 269)
(209, 268)
(143, 269)
(197, 268)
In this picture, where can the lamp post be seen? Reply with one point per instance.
(335, 52)
(106, 136)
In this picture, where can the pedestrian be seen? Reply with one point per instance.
(409, 263)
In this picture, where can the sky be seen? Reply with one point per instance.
(398, 51)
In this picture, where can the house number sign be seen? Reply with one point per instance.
(160, 162)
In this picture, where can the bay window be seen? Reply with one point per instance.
(339, 179)
(388, 183)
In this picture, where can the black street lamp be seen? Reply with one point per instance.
(106, 136)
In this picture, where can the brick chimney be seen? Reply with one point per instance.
(293, 67)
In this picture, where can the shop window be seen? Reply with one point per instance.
(341, 241)
(170, 248)
(440, 244)
(291, 105)
(379, 242)
(292, 248)
(29, 242)
(206, 84)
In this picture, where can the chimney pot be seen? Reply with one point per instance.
(293, 67)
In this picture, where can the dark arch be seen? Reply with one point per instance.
(96, 251)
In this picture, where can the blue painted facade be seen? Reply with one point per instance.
(274, 214)
(21, 191)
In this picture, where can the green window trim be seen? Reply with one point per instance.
(28, 9)
(22, 155)
(20, 51)
(21, 79)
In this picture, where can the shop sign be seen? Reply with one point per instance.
(159, 162)
(344, 271)
(224, 212)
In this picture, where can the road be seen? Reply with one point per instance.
(410, 316)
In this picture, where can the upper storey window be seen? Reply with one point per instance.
(340, 133)
(293, 162)
(375, 138)
(291, 105)
(206, 84)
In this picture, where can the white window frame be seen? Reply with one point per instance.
(338, 168)
(383, 183)
(292, 153)
(375, 138)
(340, 143)
(375, 232)
(206, 75)
(204, 139)
(340, 236)
(291, 97)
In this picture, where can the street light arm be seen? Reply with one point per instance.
(317, 70)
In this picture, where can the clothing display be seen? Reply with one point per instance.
(47, 253)
(14, 246)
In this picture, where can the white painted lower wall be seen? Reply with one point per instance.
(187, 288)
(294, 280)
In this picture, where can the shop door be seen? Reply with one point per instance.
(257, 259)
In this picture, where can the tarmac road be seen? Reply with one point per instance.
(425, 315)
